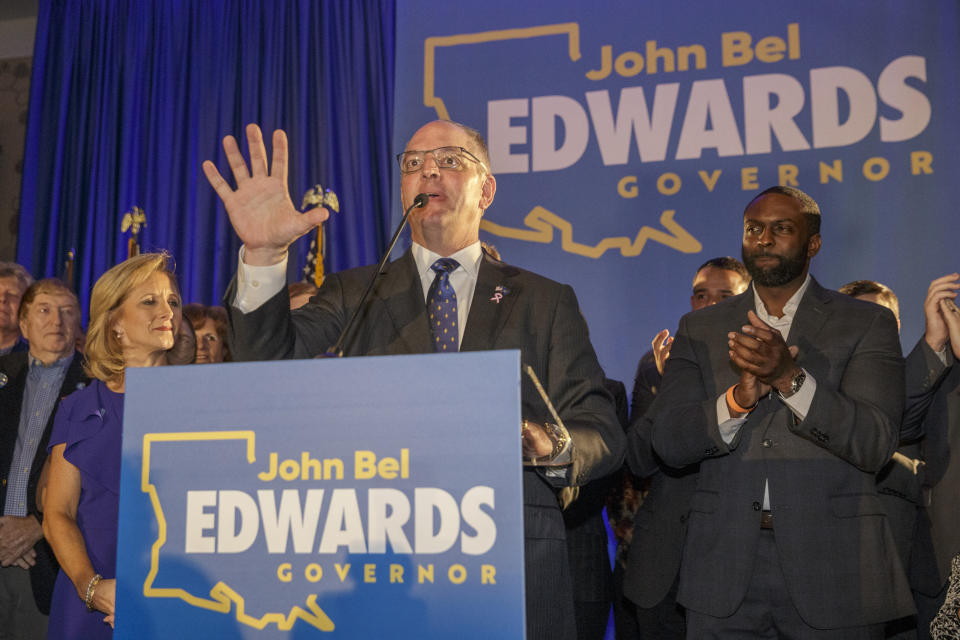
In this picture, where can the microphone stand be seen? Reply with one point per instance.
(336, 351)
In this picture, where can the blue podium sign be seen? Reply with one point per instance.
(354, 498)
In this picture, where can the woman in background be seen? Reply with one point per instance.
(210, 325)
(134, 315)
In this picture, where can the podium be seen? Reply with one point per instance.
(376, 497)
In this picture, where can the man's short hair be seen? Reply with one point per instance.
(49, 286)
(808, 206)
(725, 262)
(859, 288)
(14, 270)
(476, 137)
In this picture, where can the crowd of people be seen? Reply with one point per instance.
(781, 470)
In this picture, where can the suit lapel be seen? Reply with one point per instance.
(812, 313)
(733, 320)
(488, 310)
(71, 382)
(11, 400)
(403, 299)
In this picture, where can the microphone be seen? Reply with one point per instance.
(420, 201)
(336, 351)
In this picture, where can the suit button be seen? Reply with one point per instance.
(767, 443)
(756, 506)
(683, 518)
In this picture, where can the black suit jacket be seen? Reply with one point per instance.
(660, 524)
(933, 406)
(536, 315)
(836, 549)
(15, 367)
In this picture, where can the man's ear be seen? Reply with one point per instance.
(813, 245)
(487, 191)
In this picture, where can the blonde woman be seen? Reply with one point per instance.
(134, 316)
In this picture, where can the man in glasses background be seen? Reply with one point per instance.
(444, 294)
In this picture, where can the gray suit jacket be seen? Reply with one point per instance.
(536, 315)
(835, 546)
(660, 525)
(933, 406)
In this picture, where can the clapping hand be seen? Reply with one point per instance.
(763, 358)
(951, 317)
(937, 332)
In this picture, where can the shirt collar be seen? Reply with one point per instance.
(61, 363)
(789, 308)
(469, 258)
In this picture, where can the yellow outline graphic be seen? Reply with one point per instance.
(541, 221)
(571, 29)
(221, 594)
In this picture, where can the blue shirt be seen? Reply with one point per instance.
(39, 398)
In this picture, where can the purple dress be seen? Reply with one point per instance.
(90, 422)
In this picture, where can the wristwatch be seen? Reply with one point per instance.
(795, 383)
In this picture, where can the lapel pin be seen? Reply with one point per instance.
(498, 293)
(3, 380)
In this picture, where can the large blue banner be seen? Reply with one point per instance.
(627, 138)
(357, 498)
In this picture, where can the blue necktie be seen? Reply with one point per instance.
(442, 307)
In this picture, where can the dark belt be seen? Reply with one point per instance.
(766, 520)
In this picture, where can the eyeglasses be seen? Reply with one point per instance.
(445, 157)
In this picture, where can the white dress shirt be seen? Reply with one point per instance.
(256, 285)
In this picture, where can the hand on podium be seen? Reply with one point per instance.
(544, 444)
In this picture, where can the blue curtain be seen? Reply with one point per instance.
(129, 97)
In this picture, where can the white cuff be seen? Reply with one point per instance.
(727, 425)
(800, 402)
(942, 354)
(256, 285)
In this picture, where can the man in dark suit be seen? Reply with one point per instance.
(790, 397)
(898, 483)
(31, 385)
(485, 304)
(653, 559)
(933, 406)
(14, 280)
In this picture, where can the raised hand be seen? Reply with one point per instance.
(943, 288)
(260, 208)
(661, 349)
